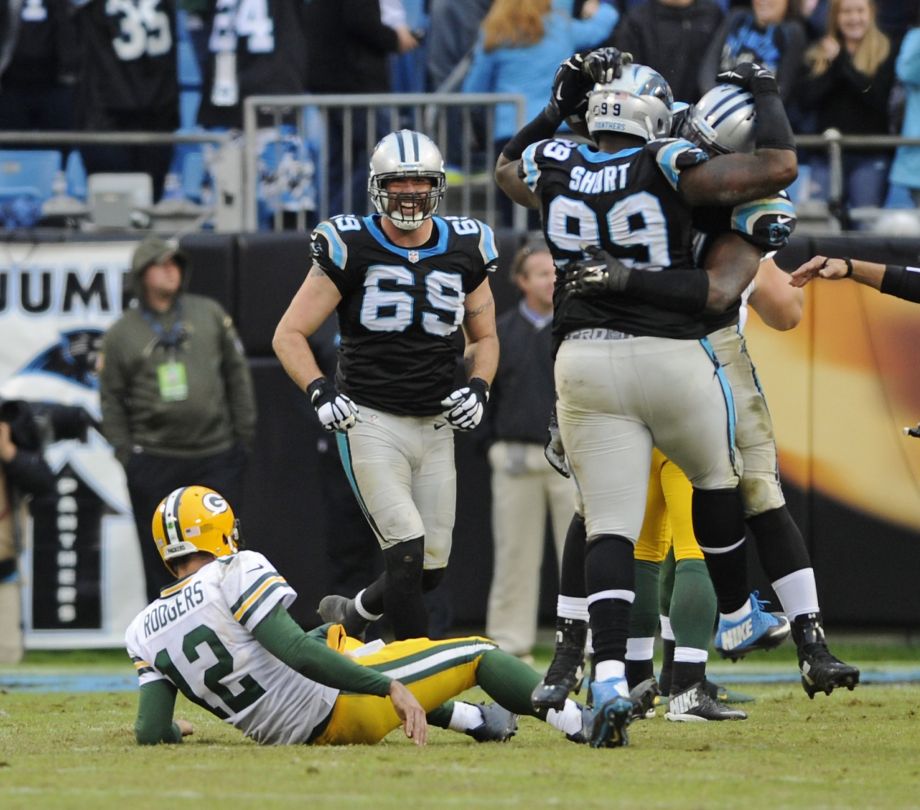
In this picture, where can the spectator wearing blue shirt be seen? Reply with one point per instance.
(520, 45)
(905, 170)
(768, 33)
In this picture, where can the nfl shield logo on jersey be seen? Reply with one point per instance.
(413, 256)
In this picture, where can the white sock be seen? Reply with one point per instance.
(363, 611)
(572, 607)
(640, 649)
(568, 721)
(798, 593)
(667, 634)
(465, 716)
(690, 655)
(741, 613)
(611, 670)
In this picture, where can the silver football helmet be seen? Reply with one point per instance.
(400, 155)
(722, 121)
(639, 103)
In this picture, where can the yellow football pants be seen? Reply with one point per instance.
(668, 514)
(434, 671)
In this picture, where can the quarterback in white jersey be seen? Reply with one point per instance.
(223, 637)
(198, 632)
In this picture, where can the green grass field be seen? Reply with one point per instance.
(853, 749)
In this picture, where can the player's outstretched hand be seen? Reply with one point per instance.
(335, 411)
(598, 272)
(818, 267)
(553, 449)
(463, 408)
(751, 77)
(410, 711)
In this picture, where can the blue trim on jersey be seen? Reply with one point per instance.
(529, 163)
(338, 252)
(487, 245)
(743, 214)
(443, 232)
(593, 156)
(726, 393)
(667, 159)
(341, 440)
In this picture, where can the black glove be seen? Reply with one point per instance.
(577, 75)
(750, 76)
(335, 411)
(553, 449)
(598, 272)
(463, 408)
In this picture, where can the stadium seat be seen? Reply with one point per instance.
(26, 181)
(32, 169)
(114, 197)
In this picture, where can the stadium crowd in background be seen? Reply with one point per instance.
(128, 72)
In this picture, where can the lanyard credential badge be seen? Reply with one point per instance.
(173, 381)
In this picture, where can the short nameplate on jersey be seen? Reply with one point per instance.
(173, 381)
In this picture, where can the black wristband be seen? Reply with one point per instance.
(316, 389)
(480, 386)
(772, 129)
(543, 126)
(849, 264)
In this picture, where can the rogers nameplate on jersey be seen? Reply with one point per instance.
(164, 611)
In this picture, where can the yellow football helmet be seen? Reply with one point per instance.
(192, 519)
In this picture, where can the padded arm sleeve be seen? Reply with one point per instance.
(902, 282)
(154, 723)
(311, 657)
(677, 290)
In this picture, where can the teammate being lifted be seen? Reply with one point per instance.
(729, 247)
(630, 373)
(402, 282)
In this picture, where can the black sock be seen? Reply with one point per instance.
(572, 575)
(609, 566)
(372, 598)
(780, 544)
(667, 665)
(638, 671)
(686, 674)
(403, 600)
(718, 522)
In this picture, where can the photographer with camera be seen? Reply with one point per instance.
(177, 398)
(23, 472)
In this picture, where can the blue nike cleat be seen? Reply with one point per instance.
(759, 630)
(613, 712)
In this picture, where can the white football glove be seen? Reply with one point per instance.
(463, 408)
(335, 411)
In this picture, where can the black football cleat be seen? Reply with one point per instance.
(695, 705)
(821, 670)
(341, 610)
(565, 671)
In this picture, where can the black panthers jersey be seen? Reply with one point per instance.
(129, 57)
(46, 46)
(401, 307)
(766, 223)
(627, 203)
(256, 48)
